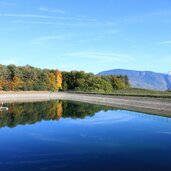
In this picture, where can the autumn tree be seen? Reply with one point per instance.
(13, 78)
(59, 80)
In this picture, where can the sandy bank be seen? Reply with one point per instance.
(142, 104)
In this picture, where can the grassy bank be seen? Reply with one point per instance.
(133, 92)
(125, 92)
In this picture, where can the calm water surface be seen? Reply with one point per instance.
(69, 136)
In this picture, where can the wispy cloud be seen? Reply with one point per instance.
(162, 12)
(7, 3)
(158, 15)
(29, 16)
(8, 61)
(100, 36)
(82, 19)
(100, 56)
(58, 23)
(61, 22)
(45, 39)
(45, 9)
(112, 32)
(164, 42)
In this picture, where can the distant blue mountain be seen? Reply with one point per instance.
(143, 79)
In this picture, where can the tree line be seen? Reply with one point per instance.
(31, 113)
(26, 78)
(13, 78)
(88, 82)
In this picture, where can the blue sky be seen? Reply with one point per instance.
(90, 35)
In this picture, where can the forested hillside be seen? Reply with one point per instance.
(88, 82)
(22, 78)
(14, 78)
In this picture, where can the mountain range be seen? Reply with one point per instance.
(143, 79)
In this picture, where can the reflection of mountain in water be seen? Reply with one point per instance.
(30, 113)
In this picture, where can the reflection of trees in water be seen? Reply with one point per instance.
(30, 113)
(81, 110)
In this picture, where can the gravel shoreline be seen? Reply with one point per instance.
(157, 106)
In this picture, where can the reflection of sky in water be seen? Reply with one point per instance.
(113, 140)
(109, 117)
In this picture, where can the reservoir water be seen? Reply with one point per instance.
(70, 136)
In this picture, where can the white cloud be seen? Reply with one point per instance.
(112, 32)
(100, 36)
(53, 23)
(7, 3)
(45, 9)
(158, 15)
(84, 41)
(101, 56)
(164, 42)
(8, 61)
(29, 16)
(45, 39)
(65, 23)
(81, 19)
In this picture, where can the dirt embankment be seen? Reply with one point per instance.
(161, 106)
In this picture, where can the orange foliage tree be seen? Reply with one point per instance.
(17, 83)
(1, 85)
(59, 110)
(59, 80)
(55, 79)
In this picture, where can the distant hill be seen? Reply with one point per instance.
(143, 79)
